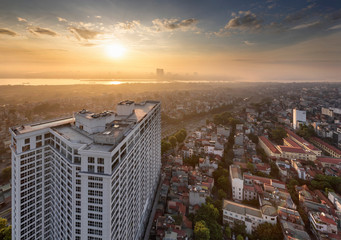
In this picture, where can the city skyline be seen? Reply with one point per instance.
(249, 41)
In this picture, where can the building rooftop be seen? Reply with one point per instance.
(301, 140)
(41, 125)
(338, 151)
(241, 209)
(235, 172)
(269, 144)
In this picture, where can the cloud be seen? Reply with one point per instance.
(7, 32)
(335, 27)
(83, 33)
(42, 31)
(248, 43)
(61, 19)
(174, 24)
(306, 25)
(22, 19)
(128, 25)
(245, 20)
(98, 17)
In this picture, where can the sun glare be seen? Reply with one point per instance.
(115, 51)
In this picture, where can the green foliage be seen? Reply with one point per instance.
(240, 237)
(5, 231)
(180, 135)
(192, 161)
(253, 138)
(239, 228)
(277, 134)
(267, 231)
(172, 140)
(228, 232)
(223, 183)
(178, 219)
(219, 172)
(6, 174)
(222, 118)
(274, 173)
(250, 167)
(291, 188)
(165, 146)
(306, 131)
(322, 182)
(221, 194)
(201, 232)
(210, 214)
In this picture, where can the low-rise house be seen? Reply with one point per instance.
(235, 212)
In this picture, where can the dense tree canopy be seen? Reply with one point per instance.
(267, 231)
(201, 232)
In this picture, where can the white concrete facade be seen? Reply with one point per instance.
(75, 183)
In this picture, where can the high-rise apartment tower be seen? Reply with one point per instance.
(90, 177)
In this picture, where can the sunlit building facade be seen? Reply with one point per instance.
(92, 176)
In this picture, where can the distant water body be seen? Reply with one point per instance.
(36, 82)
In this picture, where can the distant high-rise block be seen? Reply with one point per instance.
(298, 117)
(159, 73)
(92, 176)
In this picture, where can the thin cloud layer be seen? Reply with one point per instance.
(83, 33)
(244, 20)
(61, 19)
(306, 25)
(174, 24)
(22, 19)
(42, 31)
(5, 31)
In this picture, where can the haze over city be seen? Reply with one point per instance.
(267, 40)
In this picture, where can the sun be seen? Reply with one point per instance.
(115, 51)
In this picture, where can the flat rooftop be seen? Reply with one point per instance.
(241, 209)
(41, 125)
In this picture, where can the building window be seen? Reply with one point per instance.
(91, 168)
(100, 169)
(100, 160)
(91, 160)
(27, 141)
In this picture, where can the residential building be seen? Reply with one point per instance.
(237, 183)
(235, 212)
(298, 117)
(80, 177)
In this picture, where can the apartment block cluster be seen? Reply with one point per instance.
(323, 211)
(273, 198)
(80, 177)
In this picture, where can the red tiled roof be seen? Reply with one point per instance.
(338, 151)
(292, 149)
(301, 140)
(327, 220)
(269, 144)
(291, 142)
(249, 188)
(329, 160)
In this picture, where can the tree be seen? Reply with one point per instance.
(210, 214)
(228, 232)
(165, 146)
(267, 231)
(5, 231)
(239, 228)
(240, 237)
(274, 173)
(223, 183)
(172, 140)
(306, 131)
(221, 194)
(277, 135)
(201, 232)
(251, 167)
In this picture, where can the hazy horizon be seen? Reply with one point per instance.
(266, 40)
